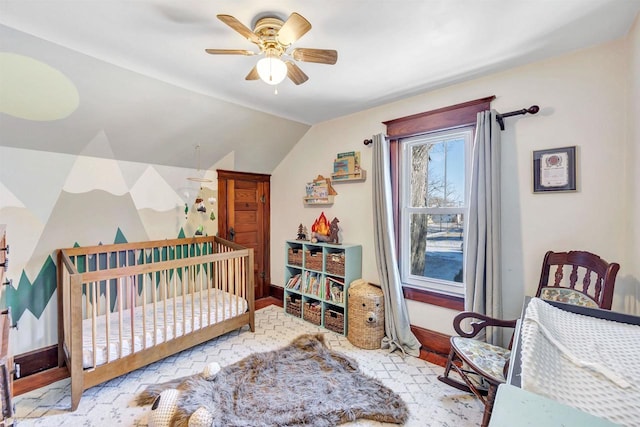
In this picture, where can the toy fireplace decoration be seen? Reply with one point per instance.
(325, 231)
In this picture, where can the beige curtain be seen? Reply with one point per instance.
(398, 335)
(483, 287)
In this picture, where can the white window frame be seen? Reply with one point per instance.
(420, 282)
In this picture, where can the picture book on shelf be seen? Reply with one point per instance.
(346, 165)
(334, 290)
(294, 282)
(312, 284)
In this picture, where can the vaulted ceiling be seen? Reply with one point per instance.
(135, 73)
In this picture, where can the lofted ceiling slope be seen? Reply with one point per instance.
(145, 85)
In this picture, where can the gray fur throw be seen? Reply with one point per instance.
(304, 383)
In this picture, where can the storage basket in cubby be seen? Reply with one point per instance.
(294, 256)
(313, 260)
(334, 321)
(293, 306)
(312, 313)
(335, 263)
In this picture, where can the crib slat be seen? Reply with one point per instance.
(167, 294)
(94, 329)
(107, 313)
(236, 287)
(154, 303)
(209, 284)
(87, 303)
(226, 281)
(185, 272)
(192, 286)
(122, 288)
(200, 281)
(144, 317)
(175, 297)
(132, 315)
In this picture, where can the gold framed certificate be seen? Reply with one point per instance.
(554, 170)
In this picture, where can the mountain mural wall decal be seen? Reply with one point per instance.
(35, 296)
(32, 296)
(84, 199)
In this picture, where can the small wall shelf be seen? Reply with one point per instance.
(310, 200)
(349, 177)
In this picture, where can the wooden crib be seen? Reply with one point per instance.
(124, 306)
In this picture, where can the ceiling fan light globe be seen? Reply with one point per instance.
(271, 70)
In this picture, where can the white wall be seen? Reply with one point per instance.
(582, 98)
(633, 167)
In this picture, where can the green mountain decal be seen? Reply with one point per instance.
(32, 296)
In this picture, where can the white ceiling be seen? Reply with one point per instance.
(387, 49)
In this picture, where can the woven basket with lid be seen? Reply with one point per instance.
(366, 315)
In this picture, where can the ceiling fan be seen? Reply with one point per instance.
(274, 37)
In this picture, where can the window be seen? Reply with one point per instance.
(438, 135)
(433, 204)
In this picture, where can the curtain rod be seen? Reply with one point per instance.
(499, 118)
(531, 110)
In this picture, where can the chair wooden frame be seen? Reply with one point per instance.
(598, 292)
(602, 290)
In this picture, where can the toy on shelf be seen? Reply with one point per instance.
(323, 231)
(333, 231)
(302, 232)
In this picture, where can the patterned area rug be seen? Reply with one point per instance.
(430, 402)
(304, 383)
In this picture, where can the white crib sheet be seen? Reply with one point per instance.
(187, 319)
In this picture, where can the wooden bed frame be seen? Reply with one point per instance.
(111, 282)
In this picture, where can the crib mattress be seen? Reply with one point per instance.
(190, 315)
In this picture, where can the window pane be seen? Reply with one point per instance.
(436, 246)
(419, 166)
(437, 174)
(454, 182)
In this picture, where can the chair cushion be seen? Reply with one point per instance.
(487, 359)
(567, 295)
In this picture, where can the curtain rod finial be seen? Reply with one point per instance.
(368, 141)
(533, 109)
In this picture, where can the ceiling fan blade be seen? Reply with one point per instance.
(230, 52)
(240, 28)
(320, 56)
(253, 74)
(295, 27)
(295, 73)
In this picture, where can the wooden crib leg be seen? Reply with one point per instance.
(76, 393)
(77, 382)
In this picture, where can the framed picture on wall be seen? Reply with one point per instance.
(554, 170)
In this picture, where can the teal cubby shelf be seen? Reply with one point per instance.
(317, 278)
